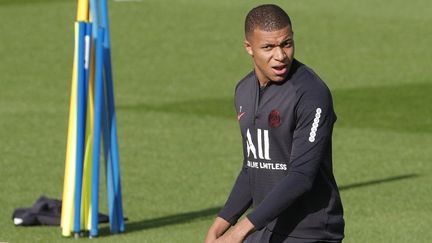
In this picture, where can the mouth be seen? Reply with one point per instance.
(280, 69)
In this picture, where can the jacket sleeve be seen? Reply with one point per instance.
(311, 140)
(239, 200)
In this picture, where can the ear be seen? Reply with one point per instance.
(247, 45)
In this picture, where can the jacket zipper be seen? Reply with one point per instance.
(256, 99)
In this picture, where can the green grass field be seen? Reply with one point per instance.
(175, 65)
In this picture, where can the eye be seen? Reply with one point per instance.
(287, 44)
(267, 47)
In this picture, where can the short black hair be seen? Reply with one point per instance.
(267, 17)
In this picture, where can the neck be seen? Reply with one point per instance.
(262, 80)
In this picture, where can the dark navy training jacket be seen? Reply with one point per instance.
(287, 175)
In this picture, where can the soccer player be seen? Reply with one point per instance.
(286, 118)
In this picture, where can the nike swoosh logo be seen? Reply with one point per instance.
(240, 115)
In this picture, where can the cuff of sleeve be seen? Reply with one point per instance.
(230, 219)
(259, 224)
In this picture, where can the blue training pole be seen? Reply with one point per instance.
(81, 119)
(114, 145)
(95, 17)
(98, 99)
(118, 222)
(110, 177)
(108, 162)
(106, 134)
(104, 22)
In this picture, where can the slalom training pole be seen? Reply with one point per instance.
(94, 14)
(87, 170)
(108, 159)
(107, 125)
(80, 128)
(117, 200)
(98, 99)
(69, 180)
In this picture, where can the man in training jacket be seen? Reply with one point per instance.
(286, 118)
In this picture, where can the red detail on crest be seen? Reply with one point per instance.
(274, 119)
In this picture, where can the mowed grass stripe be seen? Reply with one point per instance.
(374, 107)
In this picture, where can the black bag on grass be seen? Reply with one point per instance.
(45, 211)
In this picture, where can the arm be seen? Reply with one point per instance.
(239, 199)
(238, 202)
(308, 152)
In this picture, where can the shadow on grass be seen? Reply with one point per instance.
(164, 221)
(379, 181)
(211, 212)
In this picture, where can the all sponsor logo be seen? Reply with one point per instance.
(263, 145)
(261, 151)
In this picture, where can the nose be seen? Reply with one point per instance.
(279, 54)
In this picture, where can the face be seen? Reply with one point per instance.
(272, 53)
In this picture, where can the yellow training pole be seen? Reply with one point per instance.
(82, 10)
(69, 179)
(83, 15)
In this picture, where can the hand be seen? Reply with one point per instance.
(229, 237)
(210, 237)
(239, 233)
(218, 228)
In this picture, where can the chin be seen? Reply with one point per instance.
(278, 79)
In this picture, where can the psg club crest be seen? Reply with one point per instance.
(274, 119)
